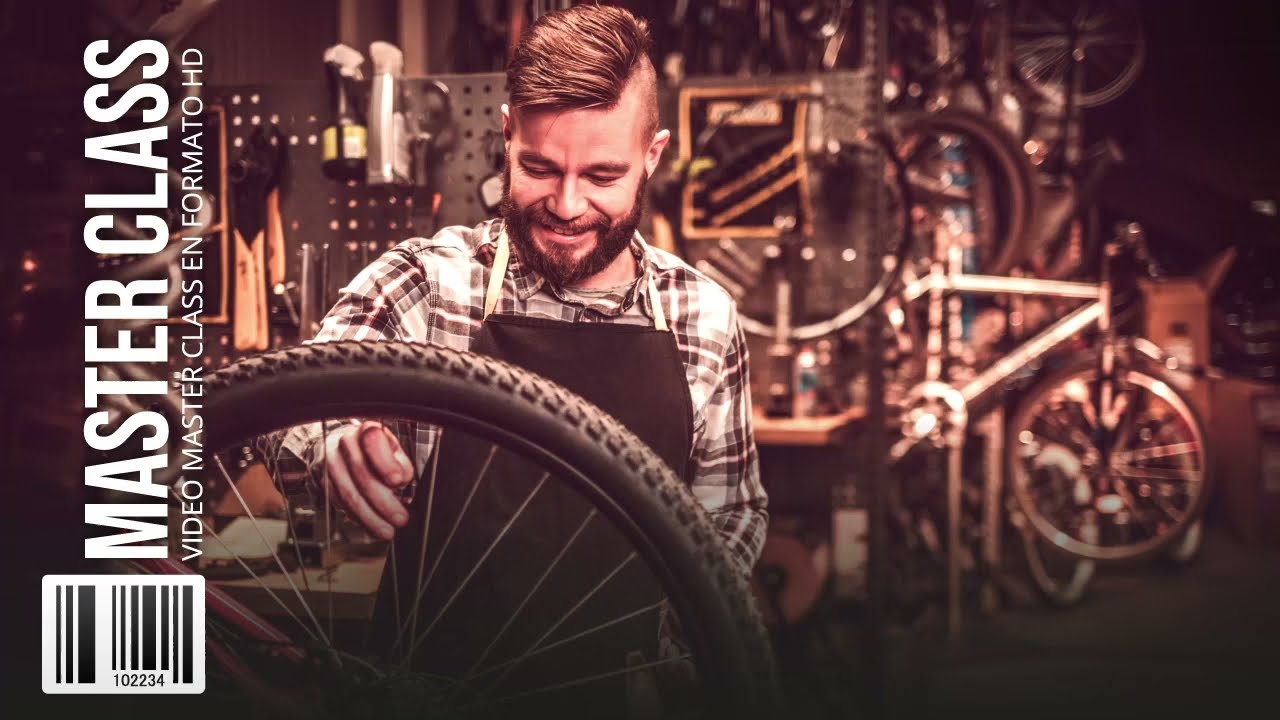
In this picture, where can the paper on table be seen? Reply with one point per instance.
(243, 541)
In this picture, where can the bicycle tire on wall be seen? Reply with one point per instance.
(1007, 161)
(622, 477)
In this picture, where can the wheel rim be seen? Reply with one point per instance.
(1141, 483)
(1108, 35)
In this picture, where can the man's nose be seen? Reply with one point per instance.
(567, 203)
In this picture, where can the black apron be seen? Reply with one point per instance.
(633, 373)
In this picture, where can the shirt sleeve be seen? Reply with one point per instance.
(366, 311)
(726, 468)
(366, 307)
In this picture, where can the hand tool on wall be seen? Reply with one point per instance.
(428, 121)
(275, 238)
(427, 116)
(256, 176)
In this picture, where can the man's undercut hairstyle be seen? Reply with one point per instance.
(583, 57)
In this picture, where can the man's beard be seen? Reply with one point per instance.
(557, 264)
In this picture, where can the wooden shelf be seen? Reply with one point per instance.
(805, 431)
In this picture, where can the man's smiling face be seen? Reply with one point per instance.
(574, 185)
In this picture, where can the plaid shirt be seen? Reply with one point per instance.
(432, 290)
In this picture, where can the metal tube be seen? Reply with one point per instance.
(992, 517)
(309, 304)
(995, 284)
(955, 455)
(1036, 347)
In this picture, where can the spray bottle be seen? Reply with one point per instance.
(389, 158)
(345, 139)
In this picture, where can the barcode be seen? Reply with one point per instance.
(123, 633)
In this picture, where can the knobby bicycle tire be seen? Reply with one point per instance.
(621, 476)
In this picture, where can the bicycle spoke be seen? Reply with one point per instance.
(1153, 453)
(422, 589)
(273, 472)
(1150, 518)
(1058, 78)
(283, 605)
(1156, 475)
(328, 520)
(529, 595)
(1121, 421)
(1043, 56)
(576, 636)
(395, 588)
(275, 555)
(563, 619)
(426, 531)
(1044, 43)
(590, 678)
(476, 568)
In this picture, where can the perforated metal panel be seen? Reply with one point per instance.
(476, 100)
(833, 273)
(355, 221)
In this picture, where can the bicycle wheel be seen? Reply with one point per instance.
(1104, 40)
(1185, 551)
(934, 141)
(1139, 475)
(1061, 579)
(853, 167)
(387, 627)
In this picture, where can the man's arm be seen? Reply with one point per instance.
(367, 310)
(726, 469)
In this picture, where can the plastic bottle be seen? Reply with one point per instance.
(805, 402)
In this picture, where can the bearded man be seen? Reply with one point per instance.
(548, 284)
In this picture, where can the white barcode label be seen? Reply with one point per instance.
(123, 634)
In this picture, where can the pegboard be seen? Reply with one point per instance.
(474, 150)
(348, 223)
(833, 266)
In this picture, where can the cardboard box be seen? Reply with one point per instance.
(1176, 314)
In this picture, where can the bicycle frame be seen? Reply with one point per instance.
(953, 279)
(948, 277)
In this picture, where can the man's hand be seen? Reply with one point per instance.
(366, 467)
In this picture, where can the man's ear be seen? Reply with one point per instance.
(506, 122)
(654, 154)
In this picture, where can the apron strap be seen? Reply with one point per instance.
(502, 257)
(655, 303)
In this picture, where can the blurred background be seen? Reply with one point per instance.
(935, 216)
